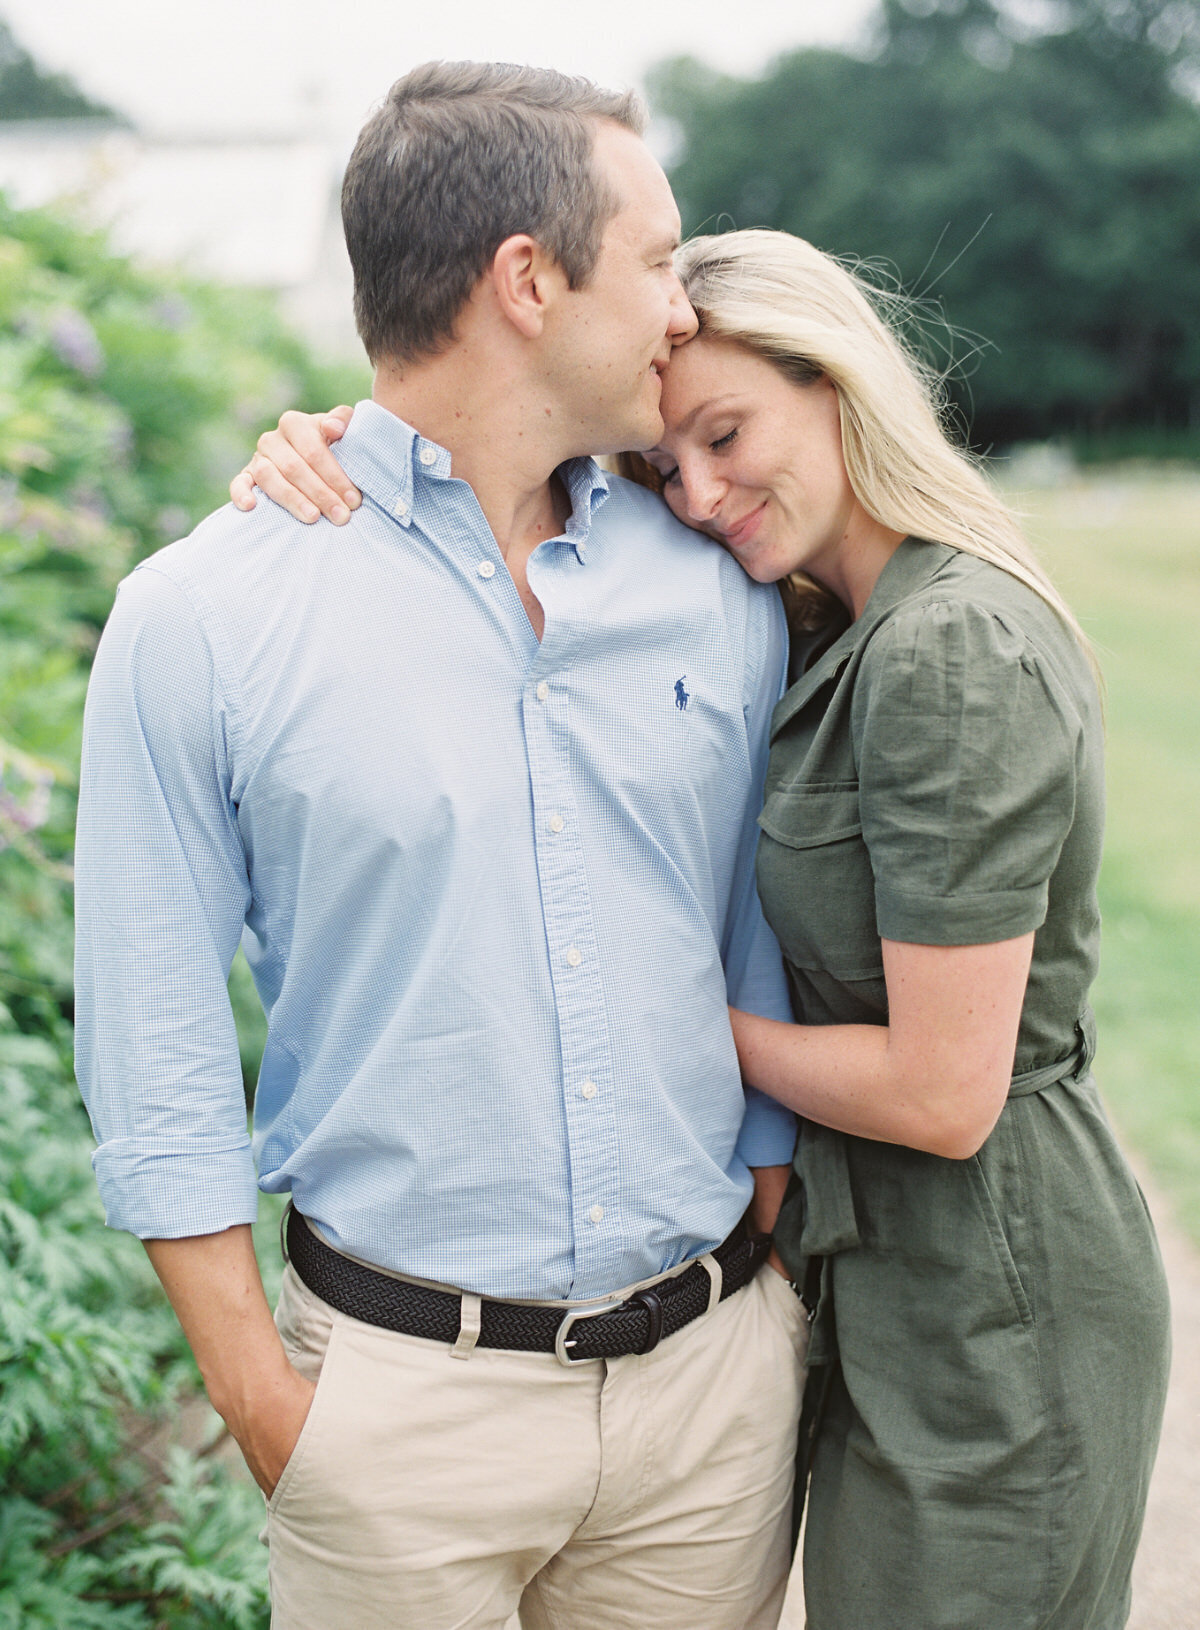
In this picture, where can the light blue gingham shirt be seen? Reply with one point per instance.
(493, 892)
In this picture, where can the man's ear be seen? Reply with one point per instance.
(525, 280)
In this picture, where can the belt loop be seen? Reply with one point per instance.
(283, 1231)
(652, 1302)
(716, 1280)
(470, 1319)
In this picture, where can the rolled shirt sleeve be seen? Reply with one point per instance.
(966, 748)
(161, 896)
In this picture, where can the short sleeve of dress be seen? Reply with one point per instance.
(966, 750)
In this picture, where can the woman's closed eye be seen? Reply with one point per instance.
(717, 446)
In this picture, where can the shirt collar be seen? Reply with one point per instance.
(386, 458)
(914, 563)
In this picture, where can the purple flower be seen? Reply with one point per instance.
(89, 502)
(11, 508)
(74, 342)
(24, 795)
(121, 442)
(172, 312)
(172, 522)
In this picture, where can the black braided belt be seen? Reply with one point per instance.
(608, 1330)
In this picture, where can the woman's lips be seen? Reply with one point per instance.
(738, 535)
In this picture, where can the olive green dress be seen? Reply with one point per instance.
(990, 1350)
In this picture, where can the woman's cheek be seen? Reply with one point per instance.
(677, 501)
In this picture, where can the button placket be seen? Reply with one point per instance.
(577, 980)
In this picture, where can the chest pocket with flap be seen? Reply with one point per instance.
(815, 879)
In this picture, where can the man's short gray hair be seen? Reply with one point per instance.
(461, 156)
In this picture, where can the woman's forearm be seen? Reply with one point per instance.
(934, 1078)
(841, 1076)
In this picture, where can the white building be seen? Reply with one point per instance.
(253, 210)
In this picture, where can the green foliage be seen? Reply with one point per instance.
(125, 400)
(1042, 186)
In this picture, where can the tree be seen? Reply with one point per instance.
(28, 92)
(1042, 185)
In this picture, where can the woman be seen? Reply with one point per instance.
(989, 1349)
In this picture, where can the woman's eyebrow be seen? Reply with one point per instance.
(689, 419)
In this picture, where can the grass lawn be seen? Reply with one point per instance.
(1124, 546)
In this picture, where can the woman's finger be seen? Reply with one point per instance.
(334, 423)
(307, 436)
(294, 467)
(241, 489)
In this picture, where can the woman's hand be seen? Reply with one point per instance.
(935, 1077)
(294, 467)
(770, 1185)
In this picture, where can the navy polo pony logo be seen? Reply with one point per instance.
(681, 696)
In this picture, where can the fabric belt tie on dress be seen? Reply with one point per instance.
(602, 1329)
(1073, 1067)
(830, 1220)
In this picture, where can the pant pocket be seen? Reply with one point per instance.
(302, 1357)
(785, 1307)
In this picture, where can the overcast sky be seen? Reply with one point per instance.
(287, 65)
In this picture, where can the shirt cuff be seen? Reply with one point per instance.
(959, 919)
(177, 1193)
(768, 1135)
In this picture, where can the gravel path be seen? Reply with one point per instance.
(1166, 1576)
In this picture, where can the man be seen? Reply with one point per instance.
(476, 778)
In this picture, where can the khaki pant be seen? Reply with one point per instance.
(640, 1493)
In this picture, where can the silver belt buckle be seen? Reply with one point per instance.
(570, 1319)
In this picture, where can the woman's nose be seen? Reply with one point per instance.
(703, 494)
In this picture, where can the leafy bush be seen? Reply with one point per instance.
(125, 400)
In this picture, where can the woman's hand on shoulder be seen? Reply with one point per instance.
(295, 468)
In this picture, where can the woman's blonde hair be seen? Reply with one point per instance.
(811, 316)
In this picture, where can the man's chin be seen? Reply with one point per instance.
(640, 436)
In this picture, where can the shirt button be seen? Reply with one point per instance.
(574, 956)
(486, 568)
(589, 1089)
(400, 508)
(556, 822)
(581, 550)
(427, 455)
(543, 691)
(596, 1214)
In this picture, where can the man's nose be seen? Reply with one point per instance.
(684, 321)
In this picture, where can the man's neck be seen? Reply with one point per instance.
(502, 441)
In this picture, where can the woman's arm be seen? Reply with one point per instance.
(293, 466)
(934, 1078)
